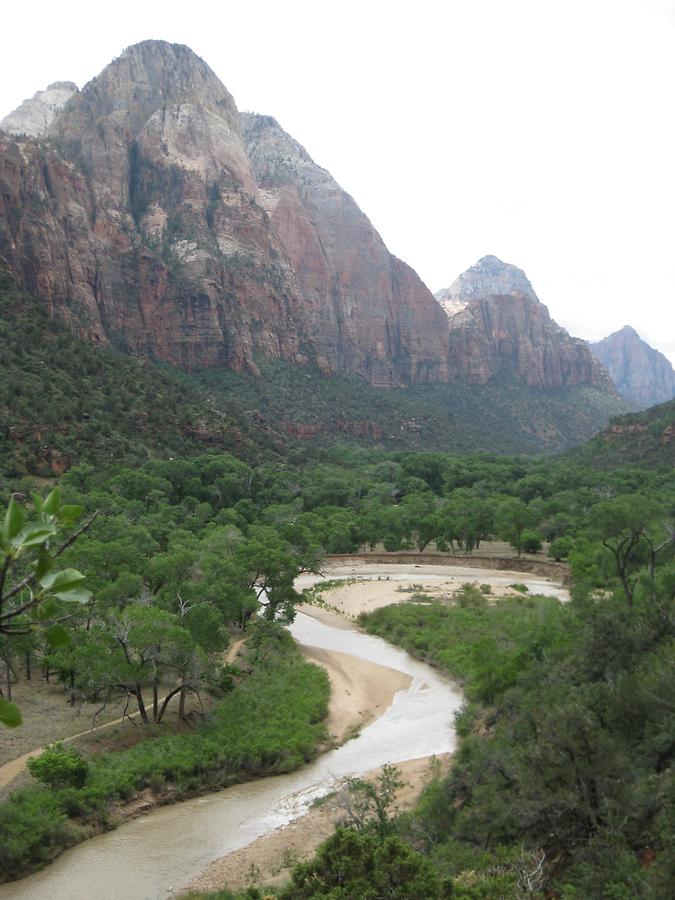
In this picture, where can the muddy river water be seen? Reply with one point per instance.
(154, 855)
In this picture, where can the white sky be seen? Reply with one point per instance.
(542, 131)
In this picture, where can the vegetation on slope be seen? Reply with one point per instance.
(573, 758)
(63, 400)
(503, 416)
(645, 438)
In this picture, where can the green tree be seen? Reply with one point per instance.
(512, 518)
(31, 591)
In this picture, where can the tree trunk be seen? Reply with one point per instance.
(141, 706)
(29, 670)
(8, 676)
(166, 700)
(154, 702)
(181, 703)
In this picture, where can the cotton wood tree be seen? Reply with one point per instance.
(626, 526)
(138, 653)
(270, 566)
(32, 589)
(512, 519)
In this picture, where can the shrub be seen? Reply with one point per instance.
(59, 767)
(560, 548)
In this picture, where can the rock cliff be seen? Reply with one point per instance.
(151, 216)
(140, 221)
(365, 310)
(498, 326)
(642, 375)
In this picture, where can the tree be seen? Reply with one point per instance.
(31, 592)
(359, 864)
(58, 767)
(512, 518)
(622, 525)
(131, 653)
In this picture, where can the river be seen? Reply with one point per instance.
(148, 857)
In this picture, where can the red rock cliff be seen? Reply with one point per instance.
(138, 219)
(498, 326)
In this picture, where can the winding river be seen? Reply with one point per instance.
(149, 857)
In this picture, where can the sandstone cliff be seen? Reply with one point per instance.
(498, 326)
(365, 310)
(641, 374)
(140, 222)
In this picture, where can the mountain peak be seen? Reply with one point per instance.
(642, 375)
(490, 276)
(628, 331)
(34, 116)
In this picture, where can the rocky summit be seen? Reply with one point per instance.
(642, 375)
(498, 325)
(34, 116)
(149, 215)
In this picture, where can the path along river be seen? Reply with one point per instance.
(148, 857)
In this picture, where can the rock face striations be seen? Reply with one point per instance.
(366, 311)
(146, 213)
(141, 220)
(642, 375)
(498, 327)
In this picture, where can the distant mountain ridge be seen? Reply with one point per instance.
(642, 375)
(499, 326)
(34, 116)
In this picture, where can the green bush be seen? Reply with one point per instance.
(59, 767)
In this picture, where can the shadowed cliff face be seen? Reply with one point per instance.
(499, 326)
(642, 375)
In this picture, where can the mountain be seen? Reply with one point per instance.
(641, 374)
(499, 326)
(150, 216)
(34, 116)
(139, 221)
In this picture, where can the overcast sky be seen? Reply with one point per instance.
(541, 131)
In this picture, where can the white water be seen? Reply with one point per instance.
(147, 858)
